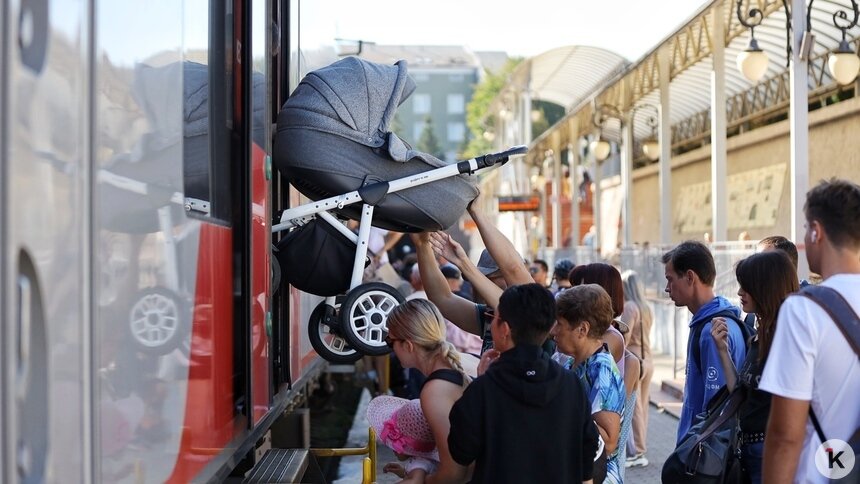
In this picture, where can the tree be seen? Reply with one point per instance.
(428, 142)
(476, 110)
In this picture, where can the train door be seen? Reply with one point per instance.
(44, 153)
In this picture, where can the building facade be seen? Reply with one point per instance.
(445, 77)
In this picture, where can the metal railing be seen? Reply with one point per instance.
(671, 324)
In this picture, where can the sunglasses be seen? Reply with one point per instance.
(389, 340)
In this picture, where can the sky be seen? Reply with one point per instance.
(519, 27)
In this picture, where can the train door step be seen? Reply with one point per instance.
(282, 465)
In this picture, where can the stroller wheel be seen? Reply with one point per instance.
(364, 316)
(326, 340)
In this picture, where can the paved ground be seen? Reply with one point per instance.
(661, 441)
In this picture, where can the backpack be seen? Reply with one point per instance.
(697, 334)
(849, 323)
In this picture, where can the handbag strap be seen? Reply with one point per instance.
(732, 406)
(846, 319)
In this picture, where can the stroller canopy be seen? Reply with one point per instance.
(355, 99)
(333, 138)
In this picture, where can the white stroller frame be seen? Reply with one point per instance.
(363, 314)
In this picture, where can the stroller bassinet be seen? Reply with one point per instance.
(333, 138)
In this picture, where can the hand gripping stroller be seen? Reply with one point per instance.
(332, 144)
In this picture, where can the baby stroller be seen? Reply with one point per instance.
(333, 145)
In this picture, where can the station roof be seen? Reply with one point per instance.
(690, 57)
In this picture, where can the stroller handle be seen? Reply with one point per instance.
(501, 157)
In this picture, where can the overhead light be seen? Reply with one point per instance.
(601, 148)
(844, 64)
(752, 62)
(536, 115)
(651, 149)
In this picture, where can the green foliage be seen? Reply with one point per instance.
(476, 110)
(550, 113)
(428, 142)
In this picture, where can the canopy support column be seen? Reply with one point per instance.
(665, 148)
(556, 197)
(627, 179)
(574, 186)
(719, 180)
(799, 125)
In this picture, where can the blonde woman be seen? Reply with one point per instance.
(416, 333)
(639, 318)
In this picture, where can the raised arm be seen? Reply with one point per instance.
(454, 308)
(510, 261)
(448, 248)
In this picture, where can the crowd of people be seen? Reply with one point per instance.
(559, 365)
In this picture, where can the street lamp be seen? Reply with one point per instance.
(844, 63)
(650, 145)
(601, 147)
(752, 62)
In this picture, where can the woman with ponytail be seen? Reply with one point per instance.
(416, 333)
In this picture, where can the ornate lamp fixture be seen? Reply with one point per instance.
(650, 146)
(752, 62)
(600, 146)
(844, 63)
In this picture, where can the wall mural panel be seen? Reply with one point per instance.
(754, 197)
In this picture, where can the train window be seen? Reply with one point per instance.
(207, 114)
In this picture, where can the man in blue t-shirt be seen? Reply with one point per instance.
(690, 274)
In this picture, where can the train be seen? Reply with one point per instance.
(145, 334)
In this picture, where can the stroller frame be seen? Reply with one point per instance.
(363, 315)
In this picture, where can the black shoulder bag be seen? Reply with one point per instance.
(706, 454)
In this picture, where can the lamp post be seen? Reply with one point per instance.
(844, 63)
(650, 145)
(752, 62)
(600, 146)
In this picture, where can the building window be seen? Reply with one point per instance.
(456, 103)
(421, 104)
(420, 76)
(456, 77)
(417, 129)
(456, 132)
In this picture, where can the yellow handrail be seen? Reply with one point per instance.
(369, 463)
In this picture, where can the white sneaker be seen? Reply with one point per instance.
(638, 460)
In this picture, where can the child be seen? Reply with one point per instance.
(400, 425)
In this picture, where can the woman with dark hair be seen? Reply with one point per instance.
(765, 279)
(583, 314)
(629, 366)
(608, 277)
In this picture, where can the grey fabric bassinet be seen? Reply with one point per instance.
(332, 138)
